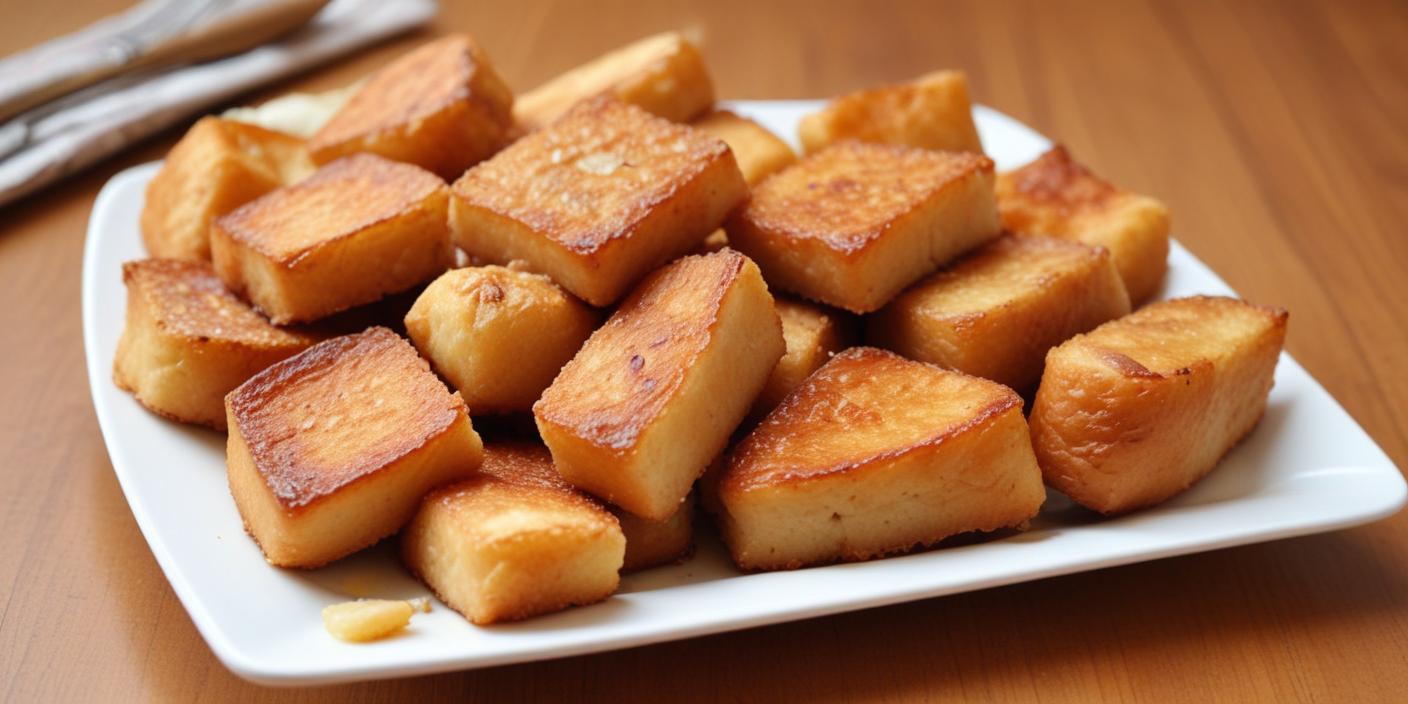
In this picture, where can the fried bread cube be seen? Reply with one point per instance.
(498, 335)
(653, 395)
(188, 342)
(1055, 195)
(875, 454)
(813, 334)
(759, 152)
(441, 107)
(1141, 408)
(217, 166)
(663, 74)
(358, 229)
(998, 311)
(332, 449)
(930, 112)
(854, 224)
(597, 199)
(514, 541)
(655, 543)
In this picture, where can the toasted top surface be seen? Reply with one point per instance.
(615, 70)
(630, 367)
(1055, 180)
(1166, 337)
(416, 86)
(879, 113)
(756, 149)
(340, 411)
(187, 299)
(591, 176)
(1006, 270)
(283, 157)
(850, 193)
(518, 490)
(862, 406)
(526, 464)
(338, 200)
(509, 290)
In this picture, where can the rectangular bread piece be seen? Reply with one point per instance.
(813, 334)
(654, 394)
(929, 112)
(598, 199)
(356, 230)
(1054, 195)
(995, 313)
(187, 341)
(759, 152)
(854, 224)
(217, 166)
(498, 335)
(514, 541)
(1139, 409)
(663, 74)
(872, 455)
(441, 107)
(332, 449)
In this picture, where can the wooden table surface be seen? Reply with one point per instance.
(1275, 131)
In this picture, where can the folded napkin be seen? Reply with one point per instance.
(127, 108)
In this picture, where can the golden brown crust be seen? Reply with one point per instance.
(338, 201)
(514, 541)
(930, 112)
(529, 464)
(217, 166)
(813, 333)
(1143, 407)
(1056, 180)
(1183, 325)
(526, 467)
(802, 440)
(663, 74)
(996, 313)
(398, 113)
(187, 300)
(297, 425)
(593, 176)
(848, 195)
(1054, 195)
(642, 353)
(497, 334)
(759, 152)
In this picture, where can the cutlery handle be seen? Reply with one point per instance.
(236, 31)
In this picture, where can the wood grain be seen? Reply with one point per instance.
(1275, 131)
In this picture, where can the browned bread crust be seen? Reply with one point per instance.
(995, 313)
(441, 107)
(653, 395)
(187, 341)
(597, 199)
(332, 449)
(874, 454)
(515, 541)
(1055, 195)
(854, 224)
(1142, 407)
(358, 229)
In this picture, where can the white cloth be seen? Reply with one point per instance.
(129, 108)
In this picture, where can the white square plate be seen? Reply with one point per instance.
(1308, 468)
